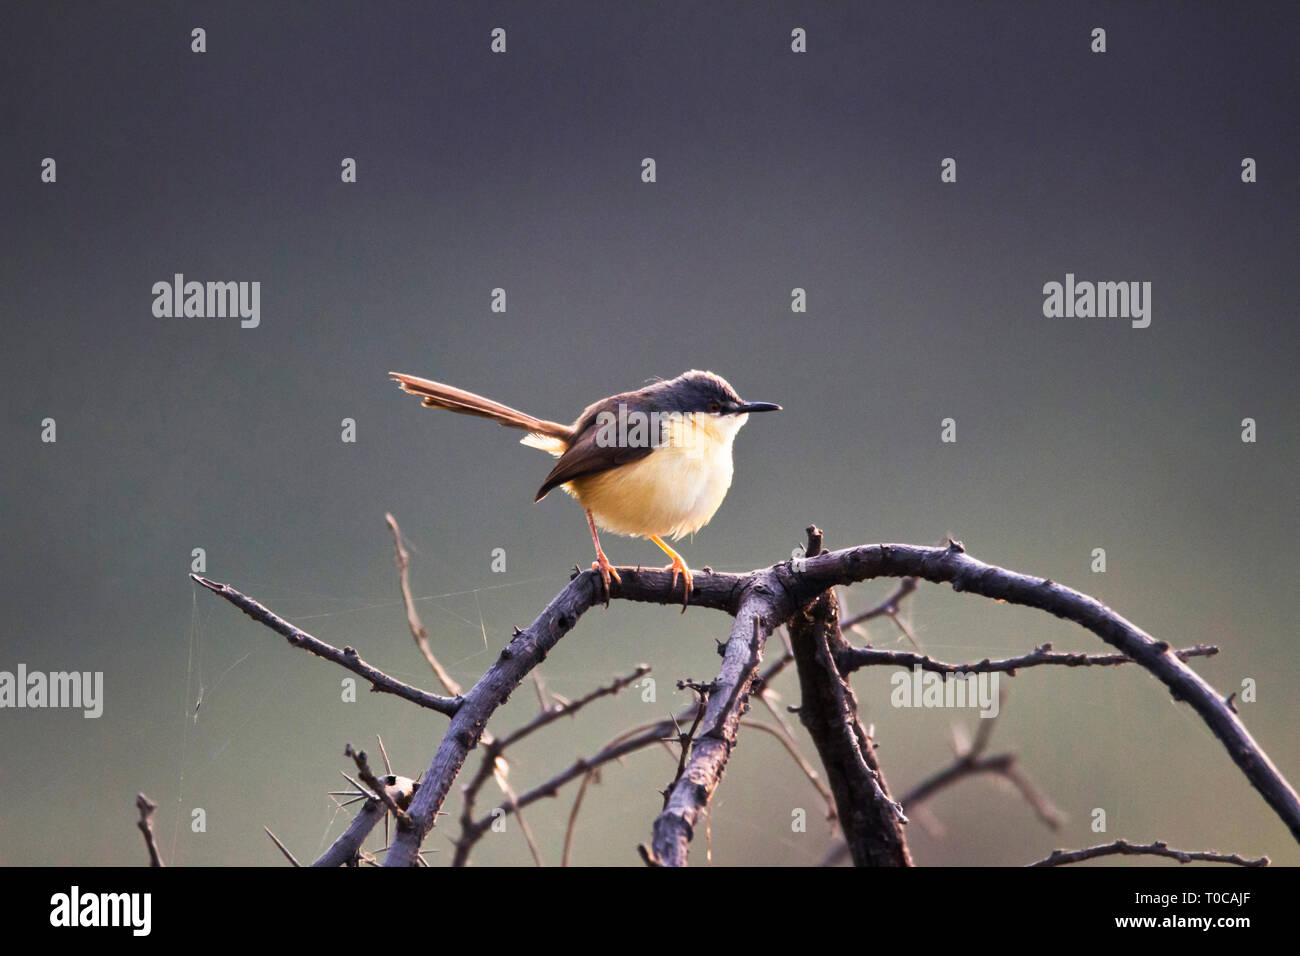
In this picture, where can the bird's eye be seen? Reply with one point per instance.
(714, 407)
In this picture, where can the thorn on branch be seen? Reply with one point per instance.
(381, 788)
(283, 849)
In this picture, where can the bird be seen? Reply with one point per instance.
(654, 462)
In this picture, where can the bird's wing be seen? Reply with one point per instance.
(590, 452)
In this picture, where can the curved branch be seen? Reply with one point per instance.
(953, 566)
(1159, 848)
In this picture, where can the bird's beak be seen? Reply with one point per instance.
(745, 408)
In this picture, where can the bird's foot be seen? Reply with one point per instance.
(607, 571)
(679, 567)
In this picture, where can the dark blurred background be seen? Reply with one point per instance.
(522, 171)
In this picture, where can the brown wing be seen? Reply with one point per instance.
(587, 456)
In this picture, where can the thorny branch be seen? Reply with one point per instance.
(871, 819)
(1124, 848)
(347, 657)
(760, 602)
(852, 658)
(627, 742)
(493, 751)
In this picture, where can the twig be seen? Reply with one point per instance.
(970, 760)
(626, 743)
(1159, 848)
(572, 828)
(412, 617)
(888, 607)
(379, 787)
(494, 749)
(685, 738)
(347, 657)
(146, 808)
(570, 708)
(850, 659)
(790, 747)
(973, 763)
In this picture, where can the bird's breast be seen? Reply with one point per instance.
(673, 491)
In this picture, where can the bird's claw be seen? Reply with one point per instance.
(607, 571)
(679, 567)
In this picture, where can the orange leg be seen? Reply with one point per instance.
(677, 567)
(601, 563)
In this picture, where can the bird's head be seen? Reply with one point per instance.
(705, 393)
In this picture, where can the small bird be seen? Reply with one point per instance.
(650, 463)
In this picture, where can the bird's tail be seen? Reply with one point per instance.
(437, 395)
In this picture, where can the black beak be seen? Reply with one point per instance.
(744, 408)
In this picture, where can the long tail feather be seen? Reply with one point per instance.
(437, 395)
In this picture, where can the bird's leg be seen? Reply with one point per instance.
(677, 567)
(601, 563)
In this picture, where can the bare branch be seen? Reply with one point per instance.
(629, 741)
(346, 850)
(347, 657)
(494, 749)
(525, 651)
(971, 761)
(850, 659)
(952, 565)
(809, 771)
(689, 797)
(572, 828)
(624, 744)
(871, 820)
(570, 708)
(418, 632)
(887, 608)
(146, 808)
(379, 787)
(761, 601)
(686, 737)
(1159, 848)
